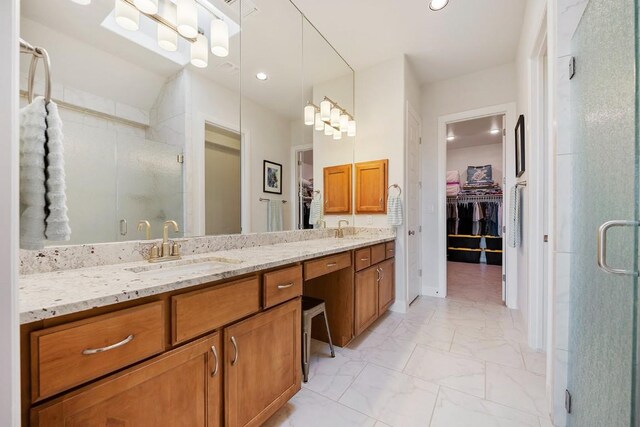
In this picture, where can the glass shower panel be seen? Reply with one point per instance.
(149, 182)
(602, 341)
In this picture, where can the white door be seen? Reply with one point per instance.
(413, 203)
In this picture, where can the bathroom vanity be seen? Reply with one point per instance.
(213, 339)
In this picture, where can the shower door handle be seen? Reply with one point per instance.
(602, 247)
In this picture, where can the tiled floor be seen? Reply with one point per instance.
(445, 363)
(474, 282)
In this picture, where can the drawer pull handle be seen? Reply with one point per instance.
(235, 351)
(364, 259)
(90, 351)
(390, 250)
(288, 285)
(332, 264)
(215, 358)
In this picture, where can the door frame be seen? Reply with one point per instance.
(412, 112)
(511, 254)
(294, 181)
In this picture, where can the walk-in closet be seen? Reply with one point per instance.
(474, 200)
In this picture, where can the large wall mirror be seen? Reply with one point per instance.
(206, 128)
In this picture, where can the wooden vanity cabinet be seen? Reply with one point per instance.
(386, 286)
(371, 186)
(262, 364)
(337, 189)
(182, 387)
(374, 291)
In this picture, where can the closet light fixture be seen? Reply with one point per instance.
(309, 115)
(262, 76)
(436, 5)
(167, 37)
(219, 37)
(147, 6)
(187, 18)
(200, 52)
(127, 16)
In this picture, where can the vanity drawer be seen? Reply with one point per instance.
(282, 285)
(391, 249)
(68, 355)
(378, 253)
(362, 258)
(326, 265)
(195, 313)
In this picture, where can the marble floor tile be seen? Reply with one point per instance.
(534, 361)
(329, 376)
(392, 397)
(309, 409)
(384, 351)
(456, 409)
(517, 388)
(432, 334)
(386, 324)
(544, 422)
(488, 349)
(447, 369)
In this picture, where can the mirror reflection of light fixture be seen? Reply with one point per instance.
(200, 52)
(344, 123)
(351, 131)
(127, 16)
(219, 38)
(147, 6)
(328, 130)
(319, 123)
(309, 115)
(436, 5)
(335, 116)
(325, 110)
(451, 138)
(337, 135)
(262, 76)
(167, 37)
(187, 18)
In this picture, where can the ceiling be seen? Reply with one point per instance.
(464, 37)
(472, 133)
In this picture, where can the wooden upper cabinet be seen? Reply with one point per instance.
(371, 186)
(182, 387)
(337, 189)
(262, 368)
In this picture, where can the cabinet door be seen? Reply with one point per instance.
(337, 189)
(366, 298)
(387, 289)
(371, 186)
(262, 364)
(180, 388)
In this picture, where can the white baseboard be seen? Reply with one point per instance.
(430, 291)
(398, 307)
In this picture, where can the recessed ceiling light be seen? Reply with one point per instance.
(451, 138)
(494, 131)
(438, 4)
(262, 76)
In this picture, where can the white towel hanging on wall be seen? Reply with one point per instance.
(515, 225)
(394, 210)
(274, 215)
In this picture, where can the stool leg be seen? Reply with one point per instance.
(306, 351)
(326, 322)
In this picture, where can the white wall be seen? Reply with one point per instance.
(489, 154)
(485, 88)
(9, 356)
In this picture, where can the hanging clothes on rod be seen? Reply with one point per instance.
(474, 215)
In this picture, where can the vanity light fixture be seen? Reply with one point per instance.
(335, 117)
(149, 7)
(219, 37)
(351, 131)
(167, 37)
(262, 76)
(187, 18)
(127, 16)
(494, 131)
(319, 123)
(325, 110)
(330, 118)
(200, 52)
(344, 123)
(309, 115)
(436, 5)
(337, 135)
(328, 130)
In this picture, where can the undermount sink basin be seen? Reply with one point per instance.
(207, 265)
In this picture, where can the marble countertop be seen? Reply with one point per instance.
(48, 295)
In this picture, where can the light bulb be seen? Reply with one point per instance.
(167, 38)
(438, 4)
(200, 52)
(319, 123)
(337, 134)
(335, 117)
(309, 115)
(328, 130)
(344, 123)
(127, 16)
(187, 18)
(149, 7)
(219, 38)
(325, 110)
(352, 128)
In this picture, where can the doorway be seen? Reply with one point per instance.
(474, 200)
(304, 187)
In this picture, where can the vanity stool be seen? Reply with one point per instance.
(311, 307)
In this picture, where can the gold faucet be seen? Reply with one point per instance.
(323, 222)
(340, 230)
(168, 251)
(143, 223)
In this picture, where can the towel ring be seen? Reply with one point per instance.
(396, 186)
(39, 53)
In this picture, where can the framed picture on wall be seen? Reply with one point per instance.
(520, 147)
(272, 177)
